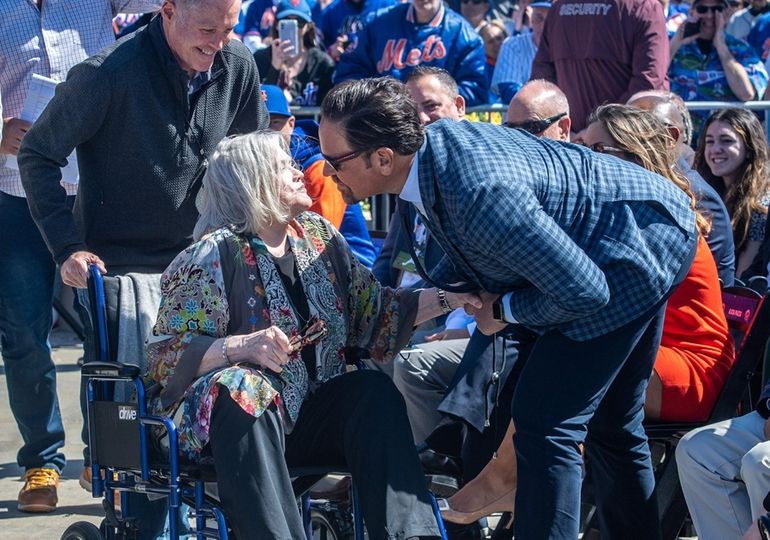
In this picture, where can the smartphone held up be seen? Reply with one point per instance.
(288, 30)
(691, 28)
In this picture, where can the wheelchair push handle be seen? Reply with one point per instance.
(98, 313)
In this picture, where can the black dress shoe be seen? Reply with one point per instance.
(435, 463)
(443, 473)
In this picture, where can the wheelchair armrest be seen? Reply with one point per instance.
(109, 371)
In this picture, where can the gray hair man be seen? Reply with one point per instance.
(541, 108)
(143, 114)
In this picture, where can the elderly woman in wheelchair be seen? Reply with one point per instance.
(250, 349)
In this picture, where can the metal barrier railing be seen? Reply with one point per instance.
(382, 206)
(315, 112)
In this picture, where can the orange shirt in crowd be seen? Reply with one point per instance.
(326, 198)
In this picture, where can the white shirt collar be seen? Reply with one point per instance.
(411, 190)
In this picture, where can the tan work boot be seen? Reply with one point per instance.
(39, 491)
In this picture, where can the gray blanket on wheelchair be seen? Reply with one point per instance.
(138, 302)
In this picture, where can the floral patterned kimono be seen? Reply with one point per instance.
(227, 284)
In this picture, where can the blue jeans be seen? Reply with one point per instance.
(27, 275)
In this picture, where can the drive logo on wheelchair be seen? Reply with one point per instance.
(126, 413)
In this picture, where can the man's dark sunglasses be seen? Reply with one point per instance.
(536, 126)
(335, 162)
(705, 9)
(473, 1)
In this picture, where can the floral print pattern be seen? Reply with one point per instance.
(227, 284)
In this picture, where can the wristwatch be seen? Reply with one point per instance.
(498, 312)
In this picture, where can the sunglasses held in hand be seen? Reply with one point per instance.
(311, 333)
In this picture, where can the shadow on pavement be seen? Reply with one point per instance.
(8, 510)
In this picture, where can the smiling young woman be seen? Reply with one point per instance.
(732, 156)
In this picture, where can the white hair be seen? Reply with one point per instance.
(242, 186)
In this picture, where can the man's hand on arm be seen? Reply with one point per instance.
(14, 130)
(74, 271)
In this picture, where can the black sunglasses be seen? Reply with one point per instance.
(335, 162)
(705, 9)
(311, 333)
(536, 126)
(473, 1)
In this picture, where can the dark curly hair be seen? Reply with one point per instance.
(375, 113)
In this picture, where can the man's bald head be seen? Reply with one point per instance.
(540, 100)
(668, 107)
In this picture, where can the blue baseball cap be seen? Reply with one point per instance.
(541, 4)
(275, 102)
(297, 8)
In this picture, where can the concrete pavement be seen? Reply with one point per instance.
(75, 504)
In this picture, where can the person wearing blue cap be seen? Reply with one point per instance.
(304, 75)
(514, 63)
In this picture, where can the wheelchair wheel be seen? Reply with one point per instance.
(324, 526)
(82, 530)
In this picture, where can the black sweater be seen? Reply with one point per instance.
(141, 148)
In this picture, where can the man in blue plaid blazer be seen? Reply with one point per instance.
(584, 249)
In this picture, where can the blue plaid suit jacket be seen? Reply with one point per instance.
(585, 241)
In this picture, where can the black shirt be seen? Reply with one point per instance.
(287, 269)
(310, 85)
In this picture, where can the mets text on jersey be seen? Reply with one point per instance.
(393, 55)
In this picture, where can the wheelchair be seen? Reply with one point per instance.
(127, 459)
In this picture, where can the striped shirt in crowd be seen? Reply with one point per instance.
(49, 42)
(514, 63)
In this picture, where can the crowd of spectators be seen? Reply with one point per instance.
(708, 50)
(184, 99)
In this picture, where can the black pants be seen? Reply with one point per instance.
(357, 420)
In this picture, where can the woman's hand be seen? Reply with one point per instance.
(283, 51)
(337, 48)
(268, 348)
